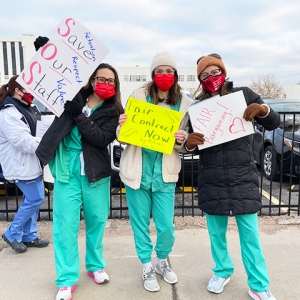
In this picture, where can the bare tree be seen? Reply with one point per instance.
(267, 86)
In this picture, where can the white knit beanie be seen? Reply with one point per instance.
(162, 59)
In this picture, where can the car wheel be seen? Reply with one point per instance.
(269, 163)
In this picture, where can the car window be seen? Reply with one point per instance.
(288, 122)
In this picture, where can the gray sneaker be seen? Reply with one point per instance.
(150, 282)
(266, 295)
(216, 284)
(164, 270)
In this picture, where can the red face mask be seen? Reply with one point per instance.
(164, 82)
(212, 84)
(104, 90)
(27, 97)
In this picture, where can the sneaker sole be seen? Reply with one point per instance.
(97, 281)
(226, 281)
(166, 280)
(253, 295)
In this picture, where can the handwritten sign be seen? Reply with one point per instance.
(220, 119)
(150, 126)
(60, 68)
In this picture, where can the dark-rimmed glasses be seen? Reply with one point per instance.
(100, 79)
(214, 73)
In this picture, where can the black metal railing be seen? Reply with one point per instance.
(278, 149)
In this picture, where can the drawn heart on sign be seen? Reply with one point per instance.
(236, 126)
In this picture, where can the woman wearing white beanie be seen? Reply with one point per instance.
(150, 181)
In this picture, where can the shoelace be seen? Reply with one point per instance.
(216, 278)
(149, 275)
(268, 294)
(165, 267)
(63, 288)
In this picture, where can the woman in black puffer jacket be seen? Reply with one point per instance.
(228, 184)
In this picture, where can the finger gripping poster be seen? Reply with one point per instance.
(150, 126)
(220, 119)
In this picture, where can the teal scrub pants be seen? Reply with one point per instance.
(68, 199)
(141, 203)
(251, 250)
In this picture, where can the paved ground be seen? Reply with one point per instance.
(31, 275)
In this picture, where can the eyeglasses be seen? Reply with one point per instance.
(100, 79)
(214, 73)
(160, 72)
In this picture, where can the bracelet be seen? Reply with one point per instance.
(188, 149)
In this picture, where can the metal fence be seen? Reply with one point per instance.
(278, 149)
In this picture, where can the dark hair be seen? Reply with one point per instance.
(117, 97)
(9, 88)
(174, 92)
(205, 94)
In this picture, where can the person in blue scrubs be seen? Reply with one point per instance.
(150, 177)
(19, 164)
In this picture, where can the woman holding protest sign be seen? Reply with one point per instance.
(75, 146)
(228, 184)
(150, 176)
(19, 163)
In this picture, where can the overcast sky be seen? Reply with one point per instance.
(254, 37)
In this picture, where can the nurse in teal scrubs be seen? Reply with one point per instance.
(150, 177)
(75, 146)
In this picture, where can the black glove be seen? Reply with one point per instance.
(73, 108)
(40, 42)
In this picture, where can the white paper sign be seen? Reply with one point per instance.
(220, 119)
(41, 128)
(60, 68)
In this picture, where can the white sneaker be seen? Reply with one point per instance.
(150, 282)
(99, 276)
(265, 295)
(164, 269)
(216, 284)
(65, 293)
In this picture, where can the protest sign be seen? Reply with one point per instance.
(60, 68)
(150, 126)
(220, 119)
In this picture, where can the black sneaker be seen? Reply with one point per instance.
(19, 247)
(37, 243)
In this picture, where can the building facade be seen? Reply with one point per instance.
(16, 53)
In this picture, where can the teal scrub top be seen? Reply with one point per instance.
(68, 153)
(152, 166)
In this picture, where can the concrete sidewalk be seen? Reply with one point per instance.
(30, 276)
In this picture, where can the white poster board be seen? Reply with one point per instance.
(220, 119)
(61, 67)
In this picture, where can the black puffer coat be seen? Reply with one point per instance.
(97, 132)
(228, 181)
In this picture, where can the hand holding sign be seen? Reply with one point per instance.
(194, 139)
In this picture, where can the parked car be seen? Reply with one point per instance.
(278, 151)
